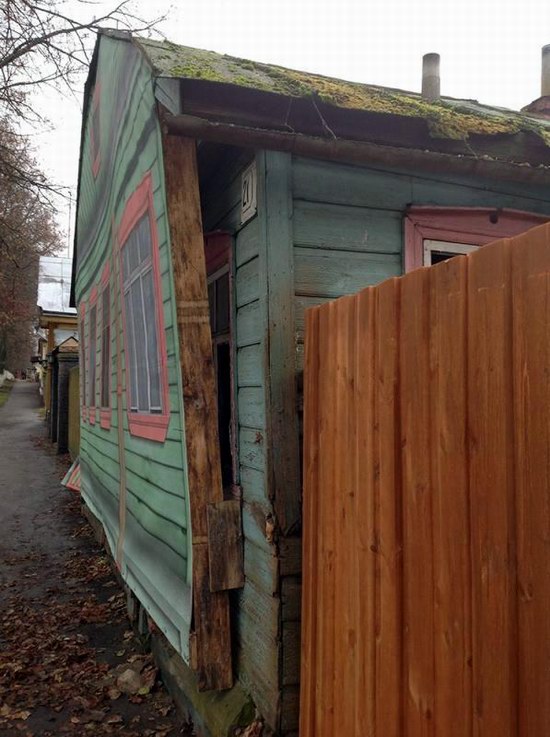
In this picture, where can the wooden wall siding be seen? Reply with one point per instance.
(256, 606)
(348, 223)
(426, 524)
(156, 561)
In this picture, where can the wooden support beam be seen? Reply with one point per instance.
(210, 640)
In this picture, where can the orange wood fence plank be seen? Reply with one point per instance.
(491, 484)
(451, 523)
(361, 444)
(531, 301)
(417, 504)
(389, 542)
(310, 609)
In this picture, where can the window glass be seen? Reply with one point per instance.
(106, 347)
(83, 358)
(92, 356)
(141, 319)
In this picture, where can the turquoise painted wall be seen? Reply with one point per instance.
(255, 608)
(156, 559)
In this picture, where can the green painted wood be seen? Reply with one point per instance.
(247, 242)
(251, 448)
(337, 227)
(333, 274)
(251, 403)
(250, 365)
(247, 283)
(155, 540)
(253, 485)
(275, 211)
(249, 325)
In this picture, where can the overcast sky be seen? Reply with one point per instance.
(490, 50)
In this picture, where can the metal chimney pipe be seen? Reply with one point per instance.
(430, 76)
(545, 73)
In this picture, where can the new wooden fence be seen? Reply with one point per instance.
(426, 591)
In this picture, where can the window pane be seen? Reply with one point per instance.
(92, 357)
(152, 341)
(131, 358)
(143, 234)
(106, 348)
(132, 249)
(83, 361)
(140, 346)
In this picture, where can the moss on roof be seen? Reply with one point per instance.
(447, 118)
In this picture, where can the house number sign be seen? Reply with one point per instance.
(248, 193)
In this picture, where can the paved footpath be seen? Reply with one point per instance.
(69, 664)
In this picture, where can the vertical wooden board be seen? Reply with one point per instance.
(344, 492)
(389, 532)
(451, 524)
(276, 209)
(210, 610)
(418, 591)
(225, 545)
(310, 609)
(324, 686)
(360, 536)
(491, 483)
(531, 337)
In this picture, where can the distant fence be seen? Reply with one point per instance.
(426, 571)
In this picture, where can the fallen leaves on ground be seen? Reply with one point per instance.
(67, 666)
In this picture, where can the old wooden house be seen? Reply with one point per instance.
(218, 199)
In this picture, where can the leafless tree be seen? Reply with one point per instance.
(42, 44)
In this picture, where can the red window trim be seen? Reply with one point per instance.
(95, 145)
(150, 427)
(92, 304)
(83, 354)
(105, 412)
(472, 225)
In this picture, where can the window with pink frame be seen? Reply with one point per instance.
(92, 357)
(83, 355)
(105, 376)
(436, 233)
(143, 324)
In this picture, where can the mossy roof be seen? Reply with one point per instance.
(448, 118)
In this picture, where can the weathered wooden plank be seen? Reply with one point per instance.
(491, 481)
(389, 643)
(250, 365)
(247, 242)
(349, 185)
(254, 488)
(247, 283)
(290, 674)
(337, 227)
(418, 593)
(225, 545)
(333, 274)
(251, 404)
(290, 555)
(249, 325)
(211, 610)
(451, 523)
(291, 593)
(531, 340)
(252, 448)
(275, 210)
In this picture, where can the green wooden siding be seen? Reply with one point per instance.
(156, 561)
